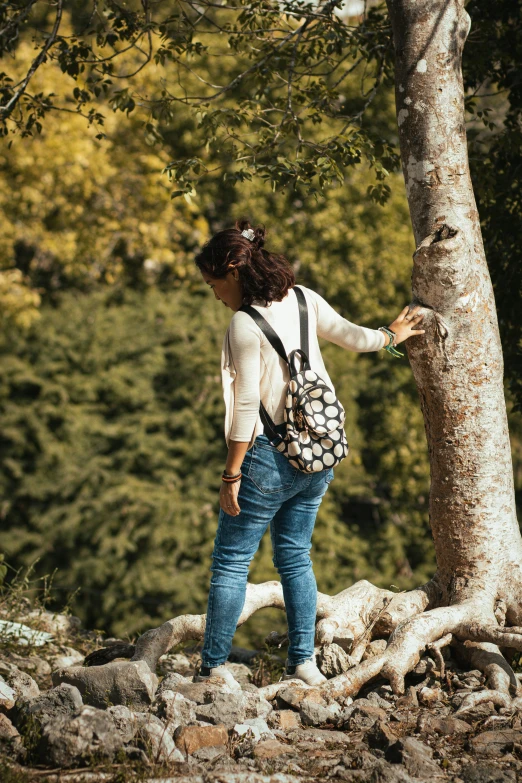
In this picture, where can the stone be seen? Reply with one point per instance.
(377, 647)
(7, 695)
(478, 712)
(124, 720)
(52, 622)
(374, 698)
(32, 664)
(225, 708)
(175, 709)
(172, 682)
(416, 757)
(255, 705)
(363, 716)
(52, 705)
(429, 696)
(409, 700)
(433, 724)
(384, 772)
(203, 692)
(333, 660)
(211, 753)
(67, 657)
(172, 663)
(483, 772)
(22, 683)
(191, 738)
(496, 743)
(293, 695)
(424, 666)
(284, 720)
(254, 728)
(271, 748)
(313, 714)
(119, 682)
(158, 743)
(86, 737)
(381, 735)
(10, 740)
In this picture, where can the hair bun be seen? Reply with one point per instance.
(259, 232)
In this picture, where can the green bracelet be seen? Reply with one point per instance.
(390, 347)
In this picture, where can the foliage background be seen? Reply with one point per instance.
(111, 442)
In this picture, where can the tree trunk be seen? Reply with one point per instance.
(458, 366)
(474, 596)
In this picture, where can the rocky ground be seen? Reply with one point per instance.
(53, 728)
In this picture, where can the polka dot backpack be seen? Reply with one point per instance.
(314, 439)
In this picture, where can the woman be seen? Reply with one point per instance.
(260, 488)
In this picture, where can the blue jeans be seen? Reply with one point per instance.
(272, 493)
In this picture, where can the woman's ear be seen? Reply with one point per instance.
(235, 273)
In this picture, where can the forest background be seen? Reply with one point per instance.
(111, 441)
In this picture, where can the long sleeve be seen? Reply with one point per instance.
(245, 347)
(336, 329)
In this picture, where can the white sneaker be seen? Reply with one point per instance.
(223, 673)
(307, 672)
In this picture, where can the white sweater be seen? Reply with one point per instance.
(252, 371)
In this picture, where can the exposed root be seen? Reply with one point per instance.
(479, 697)
(500, 677)
(436, 647)
(495, 634)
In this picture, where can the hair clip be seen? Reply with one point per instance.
(249, 234)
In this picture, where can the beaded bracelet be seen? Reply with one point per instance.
(391, 345)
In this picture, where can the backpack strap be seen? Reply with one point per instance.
(271, 335)
(303, 319)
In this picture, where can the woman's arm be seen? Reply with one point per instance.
(229, 492)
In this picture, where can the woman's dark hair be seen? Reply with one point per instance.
(264, 276)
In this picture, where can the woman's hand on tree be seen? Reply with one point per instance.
(406, 324)
(228, 498)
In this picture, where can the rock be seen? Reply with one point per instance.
(424, 666)
(32, 664)
(363, 715)
(255, 705)
(203, 692)
(210, 753)
(478, 712)
(124, 720)
(158, 743)
(313, 714)
(416, 757)
(48, 707)
(284, 720)
(120, 682)
(52, 622)
(496, 743)
(486, 773)
(174, 662)
(429, 696)
(175, 708)
(191, 738)
(433, 724)
(7, 695)
(172, 681)
(68, 657)
(377, 647)
(374, 698)
(292, 696)
(22, 683)
(409, 700)
(270, 749)
(87, 737)
(225, 708)
(333, 660)
(384, 772)
(381, 735)
(10, 740)
(254, 728)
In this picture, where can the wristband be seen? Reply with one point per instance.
(391, 345)
(228, 479)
